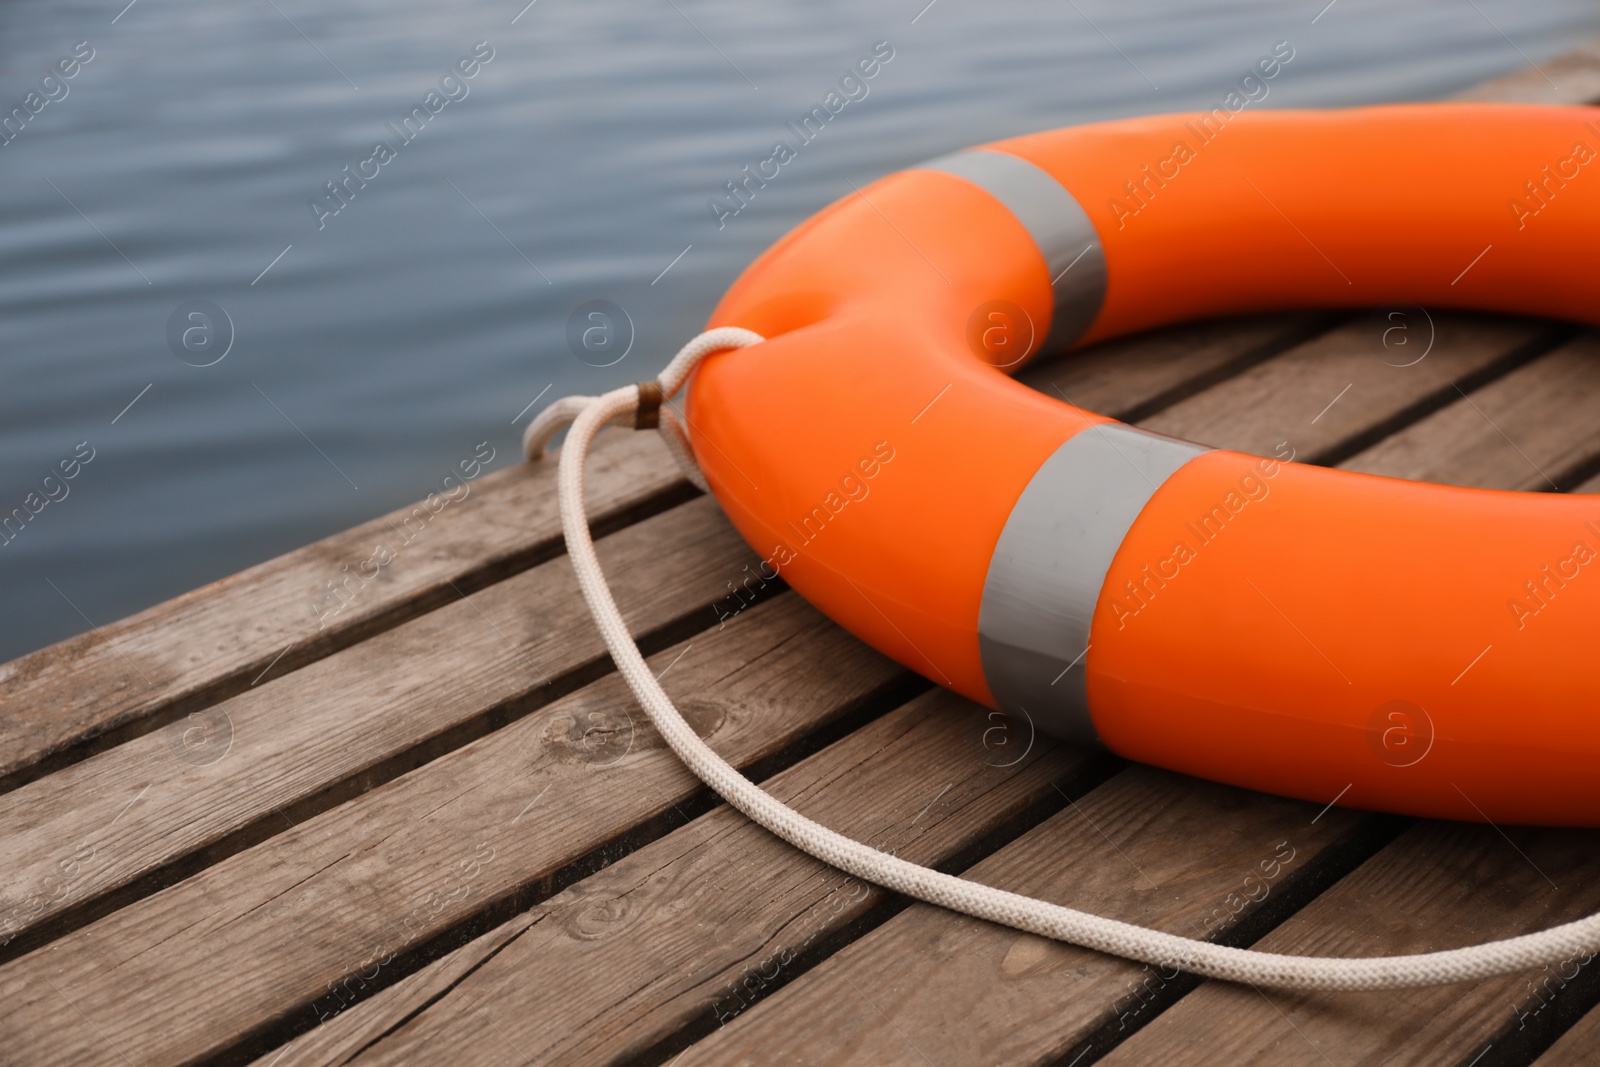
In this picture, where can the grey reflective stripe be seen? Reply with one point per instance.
(1058, 225)
(1050, 562)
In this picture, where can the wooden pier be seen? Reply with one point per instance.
(432, 826)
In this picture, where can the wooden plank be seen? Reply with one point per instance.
(1133, 377)
(272, 937)
(1572, 77)
(123, 678)
(338, 1038)
(1579, 1046)
(667, 941)
(1144, 847)
(152, 810)
(1439, 886)
(1533, 429)
(1332, 396)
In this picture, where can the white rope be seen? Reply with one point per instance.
(589, 414)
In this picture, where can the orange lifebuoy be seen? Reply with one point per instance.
(1269, 624)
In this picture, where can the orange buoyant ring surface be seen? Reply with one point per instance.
(1305, 631)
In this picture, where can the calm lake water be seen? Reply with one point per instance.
(364, 353)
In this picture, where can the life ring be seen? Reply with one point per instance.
(1264, 623)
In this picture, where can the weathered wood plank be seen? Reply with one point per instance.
(1132, 377)
(1533, 429)
(1328, 397)
(91, 691)
(1144, 847)
(151, 810)
(1579, 1046)
(680, 933)
(270, 938)
(367, 1021)
(747, 926)
(1439, 886)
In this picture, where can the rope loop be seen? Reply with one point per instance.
(587, 415)
(652, 408)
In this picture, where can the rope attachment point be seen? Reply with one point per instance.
(651, 403)
(648, 415)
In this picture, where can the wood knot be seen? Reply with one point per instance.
(605, 734)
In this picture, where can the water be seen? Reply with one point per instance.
(388, 340)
